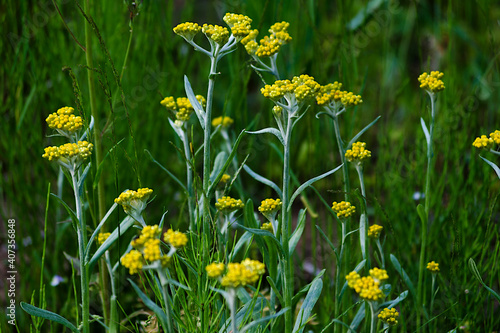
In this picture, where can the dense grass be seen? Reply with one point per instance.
(381, 58)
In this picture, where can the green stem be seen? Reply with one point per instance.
(373, 323)
(189, 176)
(363, 221)
(285, 229)
(231, 299)
(113, 314)
(82, 242)
(345, 167)
(379, 246)
(424, 221)
(166, 303)
(338, 271)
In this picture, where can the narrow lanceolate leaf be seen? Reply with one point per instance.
(242, 314)
(306, 288)
(37, 312)
(96, 231)
(71, 213)
(82, 179)
(244, 239)
(263, 180)
(218, 164)
(426, 131)
(177, 129)
(403, 274)
(264, 233)
(308, 305)
(394, 302)
(493, 165)
(213, 185)
(308, 183)
(357, 136)
(270, 130)
(298, 231)
(100, 167)
(126, 223)
(260, 321)
(477, 275)
(328, 241)
(168, 172)
(198, 109)
(162, 317)
(360, 315)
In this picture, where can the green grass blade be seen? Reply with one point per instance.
(356, 137)
(160, 314)
(404, 276)
(477, 275)
(308, 305)
(297, 233)
(263, 180)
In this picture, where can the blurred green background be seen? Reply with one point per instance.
(375, 48)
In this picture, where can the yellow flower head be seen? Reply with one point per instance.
(301, 87)
(227, 204)
(271, 44)
(152, 250)
(64, 121)
(389, 316)
(368, 289)
(432, 83)
(352, 278)
(223, 181)
(343, 209)
(134, 202)
(268, 227)
(240, 24)
(433, 267)
(133, 261)
(176, 239)
(358, 153)
(246, 272)
(147, 233)
(250, 42)
(269, 208)
(349, 99)
(484, 142)
(181, 106)
(329, 93)
(374, 231)
(70, 155)
(495, 136)
(102, 236)
(224, 121)
(216, 33)
(378, 274)
(187, 30)
(214, 270)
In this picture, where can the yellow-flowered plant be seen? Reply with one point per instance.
(228, 205)
(181, 107)
(368, 287)
(133, 261)
(268, 226)
(432, 82)
(102, 236)
(332, 97)
(224, 121)
(433, 267)
(134, 202)
(65, 122)
(298, 89)
(343, 209)
(69, 155)
(374, 231)
(187, 30)
(495, 136)
(389, 316)
(270, 207)
(216, 33)
(176, 239)
(237, 274)
(358, 152)
(483, 142)
(240, 24)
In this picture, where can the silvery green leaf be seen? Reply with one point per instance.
(160, 314)
(308, 305)
(198, 109)
(298, 231)
(96, 231)
(493, 165)
(263, 180)
(426, 131)
(179, 131)
(357, 136)
(270, 130)
(37, 312)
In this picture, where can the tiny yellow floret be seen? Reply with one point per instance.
(378, 274)
(495, 136)
(134, 202)
(152, 250)
(268, 227)
(64, 121)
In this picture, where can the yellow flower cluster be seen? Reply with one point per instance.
(152, 250)
(176, 239)
(214, 270)
(147, 233)
(225, 178)
(433, 267)
(270, 206)
(389, 316)
(240, 24)
(271, 44)
(218, 34)
(368, 287)
(432, 82)
(343, 209)
(227, 204)
(484, 142)
(268, 227)
(102, 236)
(181, 106)
(65, 120)
(69, 153)
(250, 43)
(331, 93)
(302, 87)
(358, 152)
(224, 121)
(133, 261)
(187, 30)
(374, 231)
(134, 202)
(237, 274)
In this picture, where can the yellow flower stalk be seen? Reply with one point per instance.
(64, 121)
(240, 24)
(270, 207)
(181, 107)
